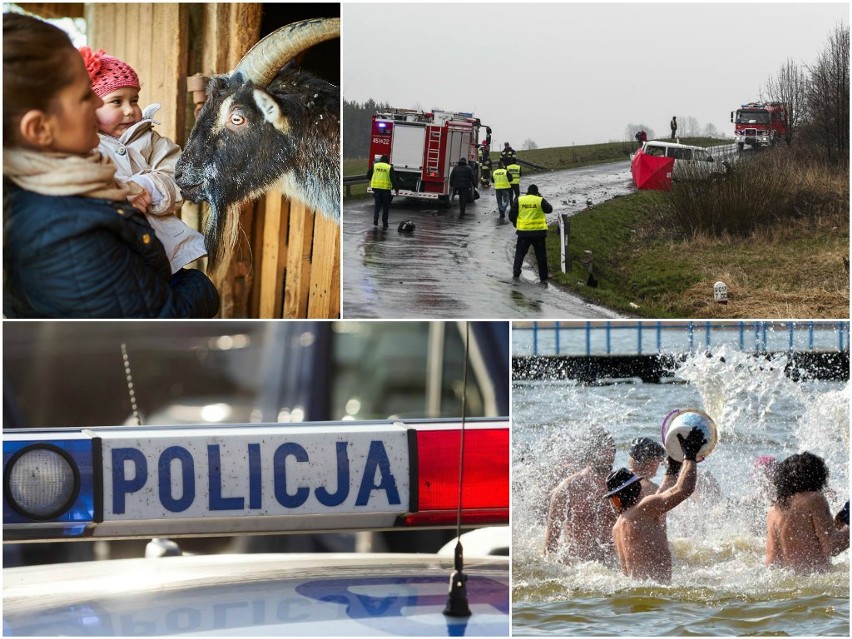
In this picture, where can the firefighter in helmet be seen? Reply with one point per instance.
(485, 166)
(507, 154)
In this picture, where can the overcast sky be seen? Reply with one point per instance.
(563, 74)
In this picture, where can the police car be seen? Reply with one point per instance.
(250, 438)
(152, 482)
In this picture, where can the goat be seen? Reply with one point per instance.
(265, 125)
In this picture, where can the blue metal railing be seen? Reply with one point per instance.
(609, 338)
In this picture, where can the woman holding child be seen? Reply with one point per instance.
(77, 243)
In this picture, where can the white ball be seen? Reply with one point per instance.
(681, 422)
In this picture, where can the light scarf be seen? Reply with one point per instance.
(61, 174)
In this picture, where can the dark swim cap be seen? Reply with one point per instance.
(645, 449)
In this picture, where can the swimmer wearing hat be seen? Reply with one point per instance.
(639, 533)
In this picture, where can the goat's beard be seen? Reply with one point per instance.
(221, 230)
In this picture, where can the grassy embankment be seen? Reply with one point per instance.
(776, 231)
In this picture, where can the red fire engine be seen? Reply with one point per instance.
(424, 146)
(759, 124)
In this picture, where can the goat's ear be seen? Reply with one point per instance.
(271, 111)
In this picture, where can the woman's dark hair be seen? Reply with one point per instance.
(800, 473)
(35, 68)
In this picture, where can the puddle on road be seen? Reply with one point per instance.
(460, 267)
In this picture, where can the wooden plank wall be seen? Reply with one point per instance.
(287, 261)
(151, 38)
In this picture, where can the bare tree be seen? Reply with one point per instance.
(688, 126)
(828, 96)
(529, 145)
(710, 131)
(789, 87)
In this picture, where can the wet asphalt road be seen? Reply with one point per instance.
(461, 267)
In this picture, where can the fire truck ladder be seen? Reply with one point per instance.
(433, 151)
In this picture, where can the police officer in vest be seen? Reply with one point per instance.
(502, 188)
(514, 170)
(528, 216)
(382, 179)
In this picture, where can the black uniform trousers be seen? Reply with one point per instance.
(381, 201)
(523, 246)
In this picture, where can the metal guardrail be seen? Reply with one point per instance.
(349, 180)
(637, 338)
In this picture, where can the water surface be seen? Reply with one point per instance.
(719, 584)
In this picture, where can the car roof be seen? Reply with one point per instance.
(676, 145)
(257, 594)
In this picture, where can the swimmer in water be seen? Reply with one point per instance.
(643, 460)
(578, 520)
(640, 536)
(800, 532)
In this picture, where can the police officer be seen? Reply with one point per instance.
(528, 216)
(514, 170)
(502, 188)
(462, 181)
(382, 180)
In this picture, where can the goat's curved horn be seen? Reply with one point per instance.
(263, 61)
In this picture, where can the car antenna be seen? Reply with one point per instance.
(158, 546)
(457, 604)
(130, 390)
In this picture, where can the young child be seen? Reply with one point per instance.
(141, 155)
(73, 247)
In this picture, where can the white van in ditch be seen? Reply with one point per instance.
(690, 161)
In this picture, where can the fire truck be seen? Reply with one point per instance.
(759, 124)
(424, 146)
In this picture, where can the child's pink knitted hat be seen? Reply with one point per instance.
(108, 74)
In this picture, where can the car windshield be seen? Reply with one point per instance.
(72, 373)
(679, 153)
(752, 117)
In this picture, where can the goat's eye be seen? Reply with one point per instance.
(237, 119)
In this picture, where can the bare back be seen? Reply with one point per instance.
(642, 544)
(581, 518)
(802, 535)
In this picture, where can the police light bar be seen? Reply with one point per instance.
(122, 482)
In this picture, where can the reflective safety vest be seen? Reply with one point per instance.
(501, 179)
(381, 176)
(531, 216)
(515, 171)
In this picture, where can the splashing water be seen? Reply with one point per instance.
(719, 583)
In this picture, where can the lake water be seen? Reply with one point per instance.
(719, 584)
